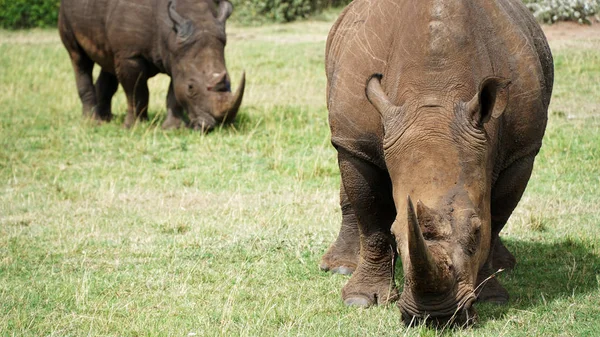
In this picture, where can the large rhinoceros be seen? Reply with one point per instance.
(134, 40)
(437, 110)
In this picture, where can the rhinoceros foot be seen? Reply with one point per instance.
(340, 259)
(131, 119)
(97, 114)
(358, 300)
(493, 292)
(490, 289)
(172, 122)
(371, 284)
(366, 295)
(101, 115)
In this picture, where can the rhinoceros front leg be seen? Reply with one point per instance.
(133, 76)
(370, 194)
(506, 193)
(174, 118)
(106, 86)
(342, 256)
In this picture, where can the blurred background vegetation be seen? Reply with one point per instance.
(16, 14)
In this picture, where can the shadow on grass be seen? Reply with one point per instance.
(545, 272)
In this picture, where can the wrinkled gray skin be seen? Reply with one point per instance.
(136, 39)
(437, 110)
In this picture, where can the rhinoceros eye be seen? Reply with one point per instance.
(191, 89)
(471, 241)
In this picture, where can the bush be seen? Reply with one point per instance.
(28, 13)
(249, 11)
(256, 11)
(16, 14)
(550, 11)
(43, 13)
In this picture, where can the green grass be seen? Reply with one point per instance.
(108, 231)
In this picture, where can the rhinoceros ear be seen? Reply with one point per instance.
(375, 94)
(490, 101)
(225, 10)
(183, 27)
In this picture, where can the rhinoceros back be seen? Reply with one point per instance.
(105, 27)
(436, 47)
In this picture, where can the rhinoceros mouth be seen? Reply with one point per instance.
(204, 122)
(451, 308)
(225, 104)
(221, 108)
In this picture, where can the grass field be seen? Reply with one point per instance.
(108, 231)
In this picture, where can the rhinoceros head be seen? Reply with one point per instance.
(439, 155)
(200, 80)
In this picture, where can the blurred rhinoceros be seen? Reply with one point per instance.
(134, 40)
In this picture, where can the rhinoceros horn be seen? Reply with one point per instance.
(425, 213)
(231, 108)
(420, 257)
(424, 269)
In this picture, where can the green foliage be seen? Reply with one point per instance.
(271, 10)
(256, 11)
(550, 11)
(16, 14)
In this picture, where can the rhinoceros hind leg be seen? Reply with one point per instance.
(508, 190)
(502, 258)
(506, 193)
(342, 255)
(106, 86)
(83, 67)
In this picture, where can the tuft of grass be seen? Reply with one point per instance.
(537, 223)
(108, 231)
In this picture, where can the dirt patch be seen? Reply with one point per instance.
(571, 31)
